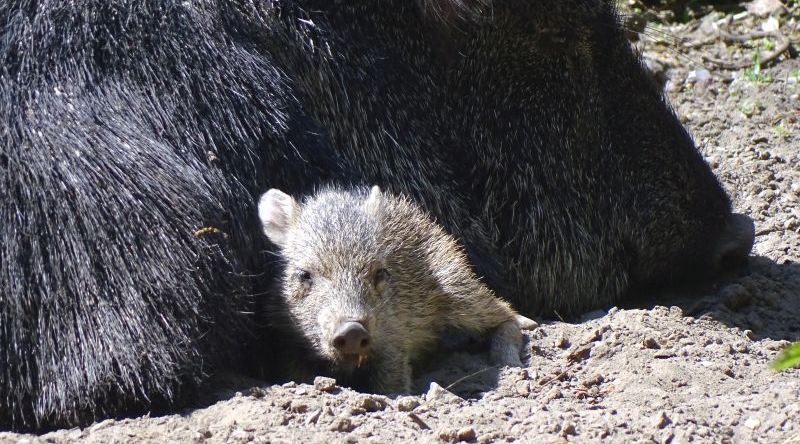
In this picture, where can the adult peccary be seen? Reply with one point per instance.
(371, 282)
(136, 135)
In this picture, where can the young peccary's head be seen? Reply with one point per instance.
(358, 280)
(371, 282)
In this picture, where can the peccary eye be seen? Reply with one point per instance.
(302, 275)
(381, 276)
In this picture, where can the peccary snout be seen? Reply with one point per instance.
(735, 242)
(351, 338)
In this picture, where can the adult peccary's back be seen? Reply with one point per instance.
(135, 135)
(535, 135)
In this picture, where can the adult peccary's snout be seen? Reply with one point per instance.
(735, 242)
(371, 282)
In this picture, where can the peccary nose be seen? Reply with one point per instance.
(735, 243)
(351, 338)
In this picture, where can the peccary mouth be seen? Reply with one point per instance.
(354, 371)
(351, 368)
(351, 361)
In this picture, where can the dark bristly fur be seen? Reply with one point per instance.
(136, 135)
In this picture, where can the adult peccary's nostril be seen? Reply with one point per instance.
(351, 338)
(735, 243)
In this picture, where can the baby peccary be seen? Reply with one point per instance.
(371, 282)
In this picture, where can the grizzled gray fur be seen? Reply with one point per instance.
(371, 281)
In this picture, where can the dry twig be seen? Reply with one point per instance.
(780, 48)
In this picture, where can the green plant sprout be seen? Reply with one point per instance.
(754, 73)
(788, 358)
(748, 109)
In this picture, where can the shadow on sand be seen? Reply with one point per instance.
(763, 297)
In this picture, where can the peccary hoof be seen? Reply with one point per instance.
(735, 242)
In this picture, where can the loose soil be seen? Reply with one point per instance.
(691, 365)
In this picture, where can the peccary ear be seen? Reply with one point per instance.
(277, 210)
(374, 200)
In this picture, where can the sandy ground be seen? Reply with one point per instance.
(688, 366)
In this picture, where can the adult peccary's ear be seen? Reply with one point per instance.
(277, 211)
(374, 200)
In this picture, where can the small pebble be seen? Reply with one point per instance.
(313, 417)
(698, 76)
(593, 380)
(257, 392)
(752, 423)
(580, 353)
(437, 392)
(101, 425)
(489, 438)
(464, 434)
(650, 342)
(661, 420)
(418, 421)
(407, 403)
(664, 354)
(342, 424)
(298, 406)
(372, 403)
(522, 387)
(324, 384)
(240, 436)
(568, 428)
(554, 393)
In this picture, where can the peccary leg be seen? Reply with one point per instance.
(483, 312)
(506, 341)
(525, 323)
